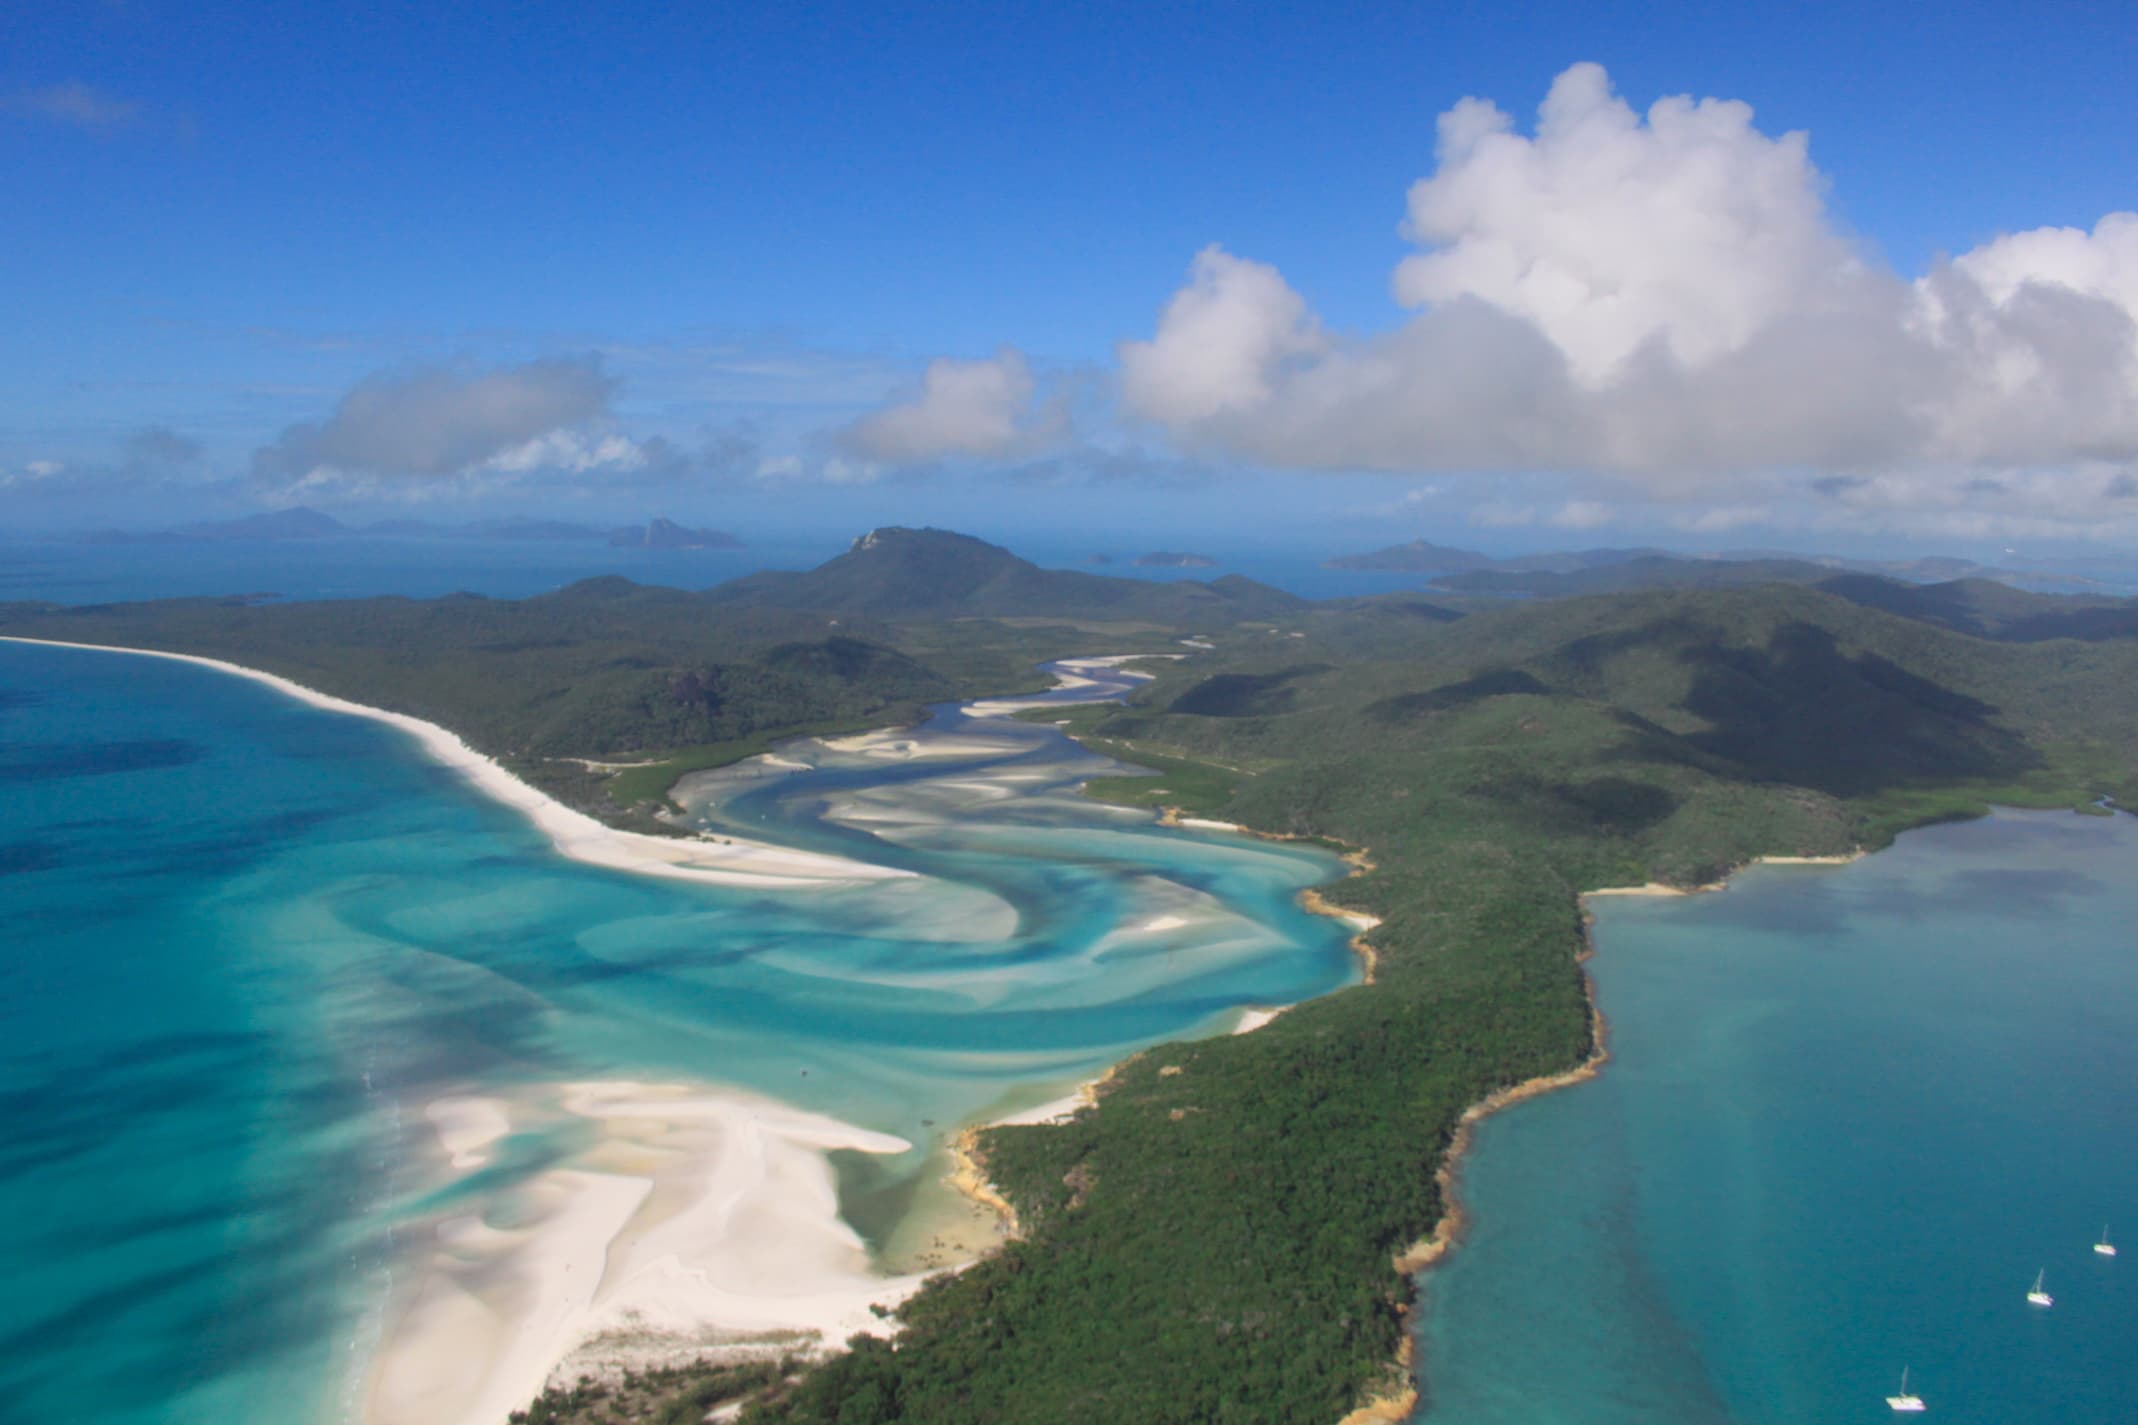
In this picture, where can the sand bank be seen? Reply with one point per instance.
(695, 1219)
(1070, 675)
(1663, 888)
(725, 860)
(1252, 1019)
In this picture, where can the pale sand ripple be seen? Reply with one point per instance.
(697, 1215)
(726, 860)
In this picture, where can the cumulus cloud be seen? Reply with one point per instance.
(1663, 296)
(437, 422)
(984, 408)
(76, 105)
(1220, 344)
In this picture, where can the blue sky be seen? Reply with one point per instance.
(753, 226)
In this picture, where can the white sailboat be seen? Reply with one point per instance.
(1905, 1403)
(2038, 1297)
(2105, 1247)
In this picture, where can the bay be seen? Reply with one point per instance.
(1850, 1112)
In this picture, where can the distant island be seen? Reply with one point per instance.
(1167, 559)
(1637, 568)
(667, 534)
(302, 523)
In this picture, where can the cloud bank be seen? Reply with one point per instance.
(441, 432)
(983, 408)
(1663, 297)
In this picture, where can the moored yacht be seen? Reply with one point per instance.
(1905, 1403)
(2037, 1296)
(2105, 1247)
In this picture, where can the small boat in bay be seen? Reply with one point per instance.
(2105, 1247)
(1905, 1403)
(2037, 1296)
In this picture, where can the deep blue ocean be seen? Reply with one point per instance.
(1850, 1113)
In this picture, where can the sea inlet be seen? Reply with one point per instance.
(324, 1076)
(1850, 1112)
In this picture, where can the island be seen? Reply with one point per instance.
(1227, 1228)
(667, 534)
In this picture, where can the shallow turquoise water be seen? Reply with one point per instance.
(247, 940)
(1850, 1113)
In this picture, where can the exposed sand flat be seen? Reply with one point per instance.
(1205, 824)
(726, 861)
(1070, 675)
(696, 1214)
(467, 1127)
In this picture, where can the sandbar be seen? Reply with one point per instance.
(696, 1218)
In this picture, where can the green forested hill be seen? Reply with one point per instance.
(934, 574)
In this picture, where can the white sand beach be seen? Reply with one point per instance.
(697, 1217)
(725, 860)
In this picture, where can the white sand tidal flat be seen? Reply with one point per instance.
(466, 1128)
(1071, 674)
(698, 1215)
(725, 861)
(1253, 1019)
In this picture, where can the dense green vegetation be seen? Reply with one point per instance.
(1214, 1240)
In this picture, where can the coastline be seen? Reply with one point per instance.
(1311, 899)
(1447, 1234)
(574, 834)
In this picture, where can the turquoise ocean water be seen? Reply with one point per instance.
(1850, 1113)
(247, 940)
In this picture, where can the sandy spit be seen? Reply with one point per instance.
(725, 861)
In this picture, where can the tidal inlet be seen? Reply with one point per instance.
(335, 1092)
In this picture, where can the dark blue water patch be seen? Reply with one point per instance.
(12, 698)
(49, 761)
(19, 858)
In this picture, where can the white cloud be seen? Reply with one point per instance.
(434, 422)
(1663, 297)
(1219, 342)
(982, 408)
(76, 105)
